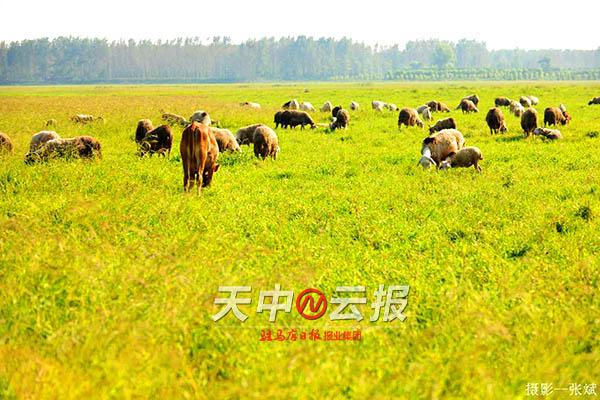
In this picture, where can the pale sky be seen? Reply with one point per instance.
(526, 24)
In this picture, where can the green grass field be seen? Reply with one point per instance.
(108, 271)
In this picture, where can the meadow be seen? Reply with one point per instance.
(108, 271)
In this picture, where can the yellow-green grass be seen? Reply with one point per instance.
(108, 271)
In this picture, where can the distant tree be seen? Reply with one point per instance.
(443, 55)
(544, 63)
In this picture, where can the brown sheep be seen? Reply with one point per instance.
(516, 108)
(298, 118)
(199, 152)
(595, 100)
(473, 97)
(159, 140)
(464, 158)
(6, 144)
(266, 143)
(467, 106)
(341, 121)
(327, 106)
(525, 101)
(51, 122)
(77, 147)
(439, 146)
(442, 107)
(554, 116)
(335, 110)
(40, 138)
(143, 127)
(174, 119)
(446, 123)
(529, 121)
(291, 105)
(495, 120)
(278, 119)
(225, 140)
(502, 102)
(409, 117)
(245, 135)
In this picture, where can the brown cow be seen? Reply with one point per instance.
(199, 152)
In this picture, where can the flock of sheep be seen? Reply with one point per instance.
(202, 142)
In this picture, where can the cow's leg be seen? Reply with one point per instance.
(186, 177)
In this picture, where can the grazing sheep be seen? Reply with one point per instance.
(6, 144)
(159, 140)
(306, 106)
(354, 106)
(525, 101)
(442, 107)
(377, 105)
(201, 116)
(77, 147)
(464, 158)
(278, 119)
(327, 106)
(40, 138)
(446, 123)
(85, 118)
(438, 147)
(595, 100)
(552, 134)
(335, 111)
(199, 153)
(495, 120)
(51, 122)
(299, 118)
(529, 121)
(437, 106)
(409, 117)
(426, 114)
(391, 107)
(473, 97)
(225, 140)
(502, 102)
(143, 127)
(174, 119)
(554, 116)
(341, 121)
(422, 108)
(266, 143)
(534, 100)
(251, 105)
(245, 135)
(291, 105)
(516, 108)
(467, 106)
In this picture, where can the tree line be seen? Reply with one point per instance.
(83, 60)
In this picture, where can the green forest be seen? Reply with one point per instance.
(81, 60)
